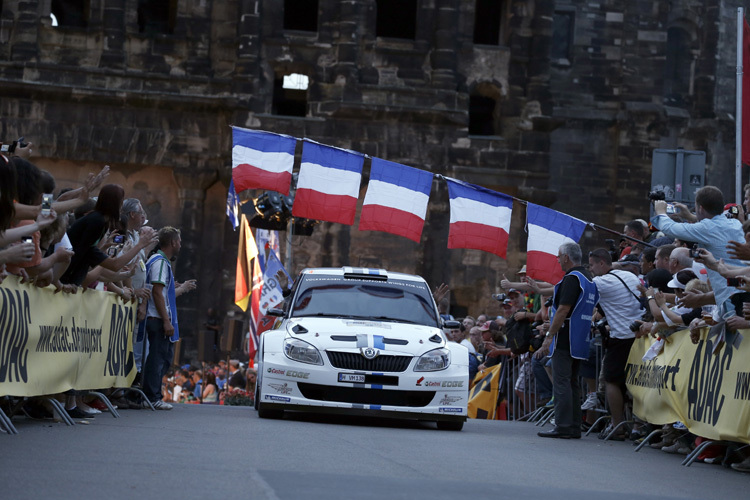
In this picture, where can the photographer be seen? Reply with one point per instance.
(713, 231)
(618, 298)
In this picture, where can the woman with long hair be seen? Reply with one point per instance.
(210, 389)
(87, 232)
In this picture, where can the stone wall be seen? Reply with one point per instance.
(575, 133)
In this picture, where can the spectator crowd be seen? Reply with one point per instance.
(93, 237)
(683, 271)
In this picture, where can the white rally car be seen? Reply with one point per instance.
(362, 341)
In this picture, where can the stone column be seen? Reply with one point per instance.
(445, 44)
(113, 29)
(193, 184)
(23, 40)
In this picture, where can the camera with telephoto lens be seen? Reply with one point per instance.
(499, 296)
(635, 326)
(548, 302)
(657, 195)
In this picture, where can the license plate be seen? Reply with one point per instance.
(356, 378)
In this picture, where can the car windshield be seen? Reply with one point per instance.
(339, 297)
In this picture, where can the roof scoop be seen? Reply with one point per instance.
(436, 338)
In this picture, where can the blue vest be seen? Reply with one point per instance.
(579, 326)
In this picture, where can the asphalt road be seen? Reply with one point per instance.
(211, 452)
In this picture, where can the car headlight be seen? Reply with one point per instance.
(301, 351)
(436, 359)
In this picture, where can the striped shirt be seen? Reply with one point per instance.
(620, 306)
(159, 274)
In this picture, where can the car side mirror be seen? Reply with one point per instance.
(275, 312)
(451, 324)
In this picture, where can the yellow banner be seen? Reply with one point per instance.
(483, 394)
(50, 343)
(709, 393)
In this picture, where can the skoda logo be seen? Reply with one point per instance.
(369, 352)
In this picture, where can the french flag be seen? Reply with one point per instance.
(548, 229)
(262, 160)
(396, 199)
(328, 184)
(480, 218)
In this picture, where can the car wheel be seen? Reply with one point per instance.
(265, 412)
(449, 425)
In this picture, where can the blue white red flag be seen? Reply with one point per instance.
(328, 184)
(275, 280)
(268, 241)
(480, 218)
(233, 206)
(262, 160)
(396, 199)
(548, 229)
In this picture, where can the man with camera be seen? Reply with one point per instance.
(619, 301)
(713, 231)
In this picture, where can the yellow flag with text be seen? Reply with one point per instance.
(483, 394)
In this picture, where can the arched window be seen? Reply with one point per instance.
(396, 19)
(301, 15)
(71, 13)
(157, 16)
(290, 94)
(678, 68)
(487, 18)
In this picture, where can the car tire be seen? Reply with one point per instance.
(449, 425)
(265, 412)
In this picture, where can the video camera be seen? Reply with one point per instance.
(11, 148)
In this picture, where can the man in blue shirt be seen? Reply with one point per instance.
(712, 231)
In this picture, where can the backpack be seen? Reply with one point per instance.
(519, 335)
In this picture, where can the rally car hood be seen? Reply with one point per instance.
(344, 334)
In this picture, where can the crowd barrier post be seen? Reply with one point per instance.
(101, 397)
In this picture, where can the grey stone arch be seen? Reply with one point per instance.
(682, 51)
(485, 103)
(291, 102)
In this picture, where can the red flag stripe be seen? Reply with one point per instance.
(391, 220)
(311, 204)
(490, 239)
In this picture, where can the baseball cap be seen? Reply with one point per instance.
(523, 270)
(630, 259)
(485, 326)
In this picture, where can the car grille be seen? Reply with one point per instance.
(355, 395)
(355, 361)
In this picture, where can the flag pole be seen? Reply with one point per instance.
(738, 111)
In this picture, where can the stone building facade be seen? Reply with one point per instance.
(558, 102)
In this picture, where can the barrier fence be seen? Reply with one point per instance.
(707, 391)
(51, 343)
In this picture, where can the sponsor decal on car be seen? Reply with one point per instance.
(296, 374)
(278, 398)
(444, 383)
(276, 371)
(282, 388)
(419, 382)
(449, 400)
(451, 410)
(367, 323)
